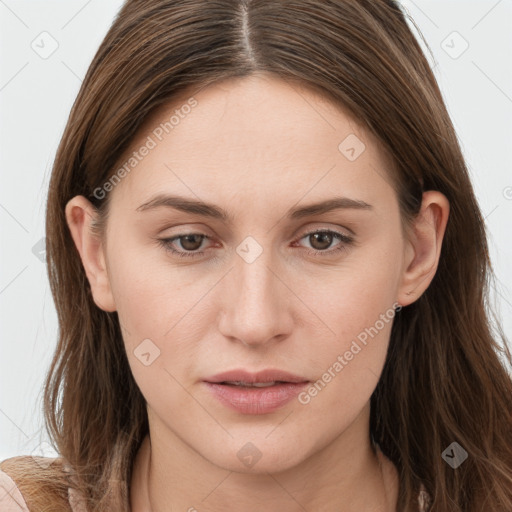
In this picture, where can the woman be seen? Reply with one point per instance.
(270, 272)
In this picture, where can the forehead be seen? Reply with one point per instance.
(257, 136)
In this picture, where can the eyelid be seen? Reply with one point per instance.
(324, 229)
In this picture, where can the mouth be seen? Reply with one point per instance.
(255, 393)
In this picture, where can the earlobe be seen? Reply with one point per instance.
(424, 247)
(80, 214)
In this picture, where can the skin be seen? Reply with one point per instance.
(256, 147)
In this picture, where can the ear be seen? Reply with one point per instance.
(80, 214)
(423, 246)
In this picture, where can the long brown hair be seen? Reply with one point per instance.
(443, 380)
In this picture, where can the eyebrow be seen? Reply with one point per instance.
(193, 206)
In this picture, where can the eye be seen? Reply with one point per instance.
(321, 240)
(190, 242)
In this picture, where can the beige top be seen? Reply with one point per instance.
(11, 499)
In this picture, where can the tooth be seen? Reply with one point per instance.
(254, 384)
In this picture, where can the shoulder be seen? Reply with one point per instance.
(11, 499)
(33, 483)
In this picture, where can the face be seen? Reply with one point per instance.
(272, 284)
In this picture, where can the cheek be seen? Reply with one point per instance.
(348, 368)
(156, 305)
(146, 288)
(357, 305)
(159, 346)
(357, 290)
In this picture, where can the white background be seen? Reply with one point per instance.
(36, 95)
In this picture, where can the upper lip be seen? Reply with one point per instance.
(268, 375)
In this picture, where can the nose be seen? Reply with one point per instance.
(256, 304)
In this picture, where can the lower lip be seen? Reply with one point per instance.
(254, 400)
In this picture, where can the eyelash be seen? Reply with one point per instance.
(344, 239)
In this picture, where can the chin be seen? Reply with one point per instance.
(254, 457)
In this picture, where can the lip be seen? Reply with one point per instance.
(255, 400)
(268, 375)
